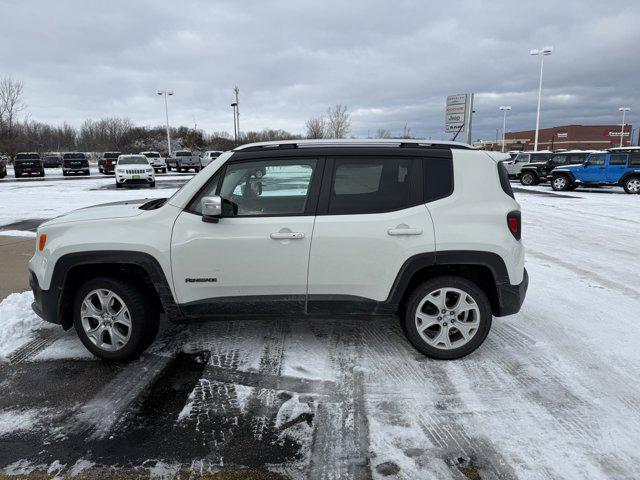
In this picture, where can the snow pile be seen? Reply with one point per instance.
(17, 322)
(16, 420)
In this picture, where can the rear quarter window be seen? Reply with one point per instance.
(437, 178)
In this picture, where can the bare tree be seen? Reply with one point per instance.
(316, 127)
(11, 103)
(406, 131)
(338, 121)
(383, 133)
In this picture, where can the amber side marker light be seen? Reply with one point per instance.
(42, 241)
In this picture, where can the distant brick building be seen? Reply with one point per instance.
(569, 137)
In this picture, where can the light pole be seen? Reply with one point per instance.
(166, 112)
(504, 109)
(624, 110)
(234, 105)
(542, 52)
(236, 91)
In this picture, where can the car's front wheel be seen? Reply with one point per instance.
(528, 178)
(560, 183)
(632, 185)
(447, 317)
(115, 319)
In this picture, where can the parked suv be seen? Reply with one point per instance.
(618, 166)
(514, 166)
(52, 160)
(107, 162)
(75, 162)
(3, 166)
(28, 163)
(429, 232)
(534, 173)
(134, 170)
(209, 156)
(156, 160)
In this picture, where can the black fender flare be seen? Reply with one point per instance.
(632, 173)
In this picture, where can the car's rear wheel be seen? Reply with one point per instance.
(447, 317)
(560, 183)
(115, 319)
(528, 178)
(632, 185)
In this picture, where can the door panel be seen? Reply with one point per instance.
(616, 166)
(238, 257)
(360, 255)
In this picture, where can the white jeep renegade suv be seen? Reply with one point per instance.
(429, 232)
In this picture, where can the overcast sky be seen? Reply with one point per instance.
(389, 62)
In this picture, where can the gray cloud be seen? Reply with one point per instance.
(390, 62)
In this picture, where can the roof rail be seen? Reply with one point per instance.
(383, 142)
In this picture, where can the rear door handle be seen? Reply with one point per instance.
(404, 231)
(287, 235)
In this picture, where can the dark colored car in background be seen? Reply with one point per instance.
(52, 160)
(107, 162)
(28, 163)
(539, 172)
(3, 167)
(75, 162)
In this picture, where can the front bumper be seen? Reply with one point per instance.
(511, 297)
(45, 302)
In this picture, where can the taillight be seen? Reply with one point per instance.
(514, 222)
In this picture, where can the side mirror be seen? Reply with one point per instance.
(211, 209)
(586, 164)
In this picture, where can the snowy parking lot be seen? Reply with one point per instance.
(553, 392)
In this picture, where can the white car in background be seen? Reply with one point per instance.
(209, 156)
(134, 170)
(515, 166)
(156, 160)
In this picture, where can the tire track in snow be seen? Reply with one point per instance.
(42, 340)
(340, 447)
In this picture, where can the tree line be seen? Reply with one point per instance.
(19, 133)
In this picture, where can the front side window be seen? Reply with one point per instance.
(560, 159)
(597, 159)
(618, 159)
(369, 185)
(275, 187)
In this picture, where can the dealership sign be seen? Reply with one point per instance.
(618, 134)
(456, 112)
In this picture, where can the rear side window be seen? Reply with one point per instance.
(370, 185)
(618, 160)
(634, 160)
(504, 179)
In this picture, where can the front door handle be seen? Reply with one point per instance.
(287, 235)
(404, 231)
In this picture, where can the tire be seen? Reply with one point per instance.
(137, 330)
(476, 311)
(18, 175)
(118, 185)
(168, 168)
(41, 174)
(560, 183)
(65, 174)
(529, 178)
(152, 185)
(164, 170)
(631, 185)
(88, 172)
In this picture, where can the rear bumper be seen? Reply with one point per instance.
(45, 302)
(511, 297)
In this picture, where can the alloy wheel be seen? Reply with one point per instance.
(447, 318)
(106, 320)
(633, 185)
(560, 182)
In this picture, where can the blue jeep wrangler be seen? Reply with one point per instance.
(618, 166)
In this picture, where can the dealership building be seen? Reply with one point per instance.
(567, 137)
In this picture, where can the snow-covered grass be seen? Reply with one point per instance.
(17, 233)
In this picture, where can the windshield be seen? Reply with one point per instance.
(27, 156)
(133, 160)
(152, 155)
(111, 155)
(183, 154)
(68, 156)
